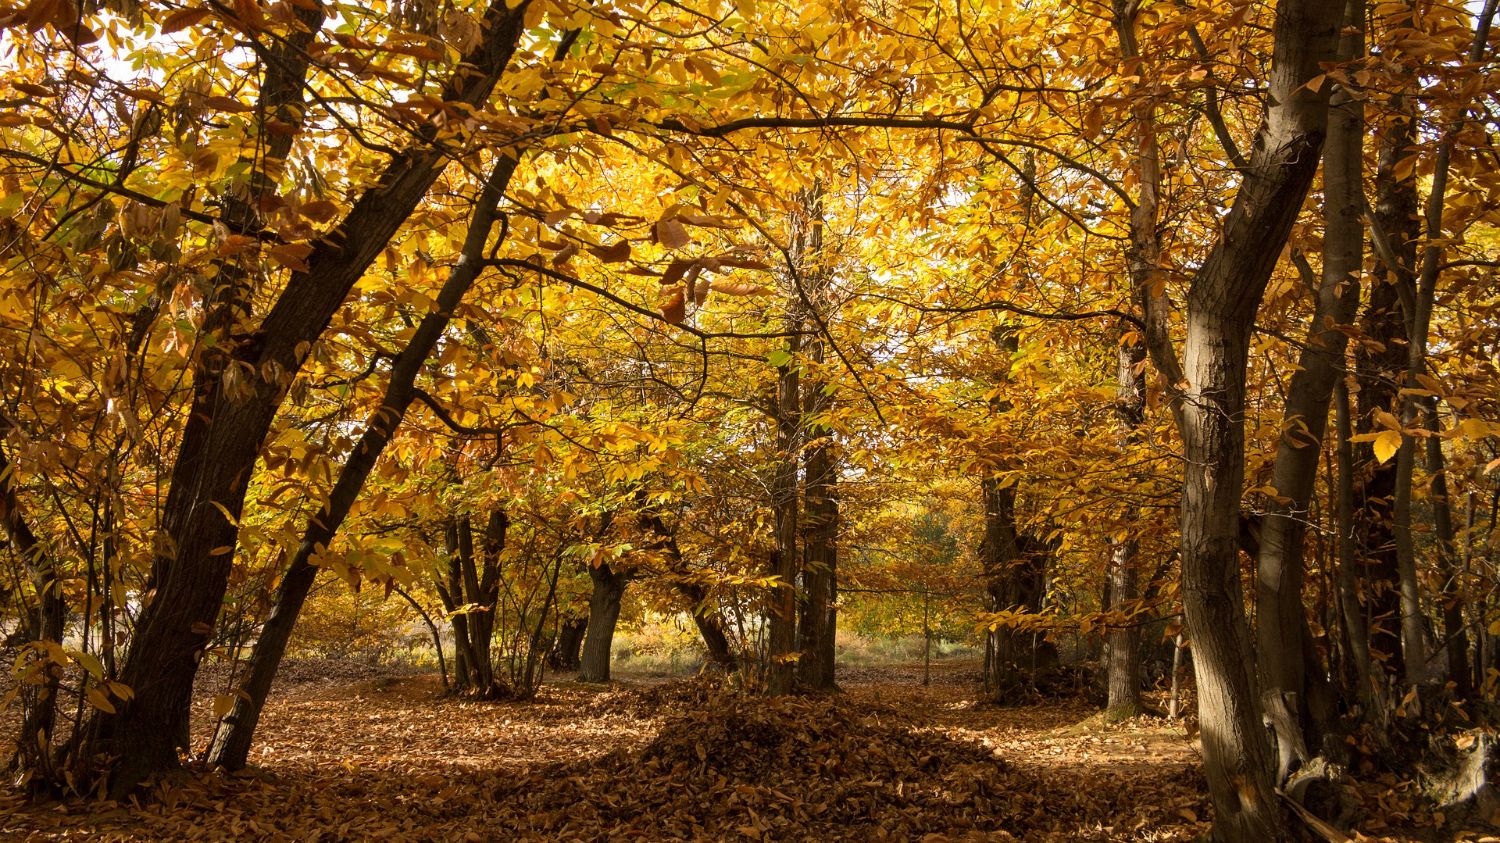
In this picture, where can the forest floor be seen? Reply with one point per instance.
(389, 758)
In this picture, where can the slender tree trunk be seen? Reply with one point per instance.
(781, 614)
(1420, 319)
(1369, 689)
(432, 629)
(705, 615)
(235, 398)
(604, 613)
(232, 739)
(1124, 642)
(1377, 362)
(1281, 618)
(820, 509)
(43, 624)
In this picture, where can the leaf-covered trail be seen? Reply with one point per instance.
(386, 759)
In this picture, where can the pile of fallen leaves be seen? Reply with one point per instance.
(821, 768)
(825, 768)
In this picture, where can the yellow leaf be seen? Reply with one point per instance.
(1387, 444)
(98, 700)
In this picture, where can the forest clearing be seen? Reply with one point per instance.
(395, 393)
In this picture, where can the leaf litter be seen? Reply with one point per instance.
(346, 757)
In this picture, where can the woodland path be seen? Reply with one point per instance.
(385, 758)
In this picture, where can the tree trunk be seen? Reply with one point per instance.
(231, 744)
(1124, 642)
(1222, 303)
(781, 610)
(43, 624)
(1280, 615)
(1419, 321)
(1369, 689)
(604, 613)
(565, 650)
(1123, 658)
(705, 616)
(710, 626)
(235, 398)
(820, 508)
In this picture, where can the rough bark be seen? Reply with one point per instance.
(1123, 642)
(228, 422)
(1281, 618)
(1000, 555)
(781, 609)
(1123, 659)
(820, 509)
(604, 613)
(232, 738)
(565, 653)
(1221, 306)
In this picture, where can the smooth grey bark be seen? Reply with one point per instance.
(235, 733)
(604, 613)
(1281, 618)
(1209, 404)
(228, 422)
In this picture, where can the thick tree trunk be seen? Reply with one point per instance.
(1281, 618)
(1221, 306)
(604, 613)
(235, 399)
(232, 738)
(565, 653)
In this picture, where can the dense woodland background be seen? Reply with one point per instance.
(1112, 346)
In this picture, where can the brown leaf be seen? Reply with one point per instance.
(182, 19)
(319, 210)
(616, 252)
(670, 234)
(674, 310)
